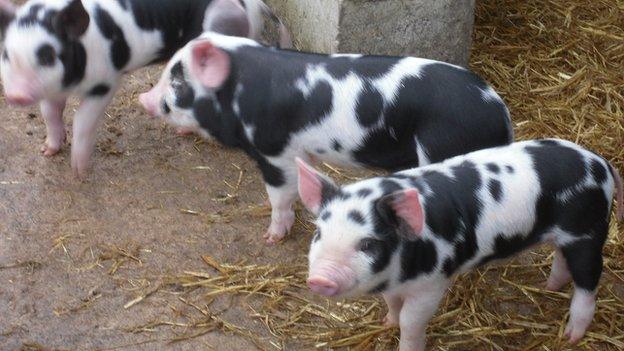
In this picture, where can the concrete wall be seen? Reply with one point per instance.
(437, 29)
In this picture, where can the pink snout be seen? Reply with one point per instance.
(323, 286)
(150, 103)
(20, 99)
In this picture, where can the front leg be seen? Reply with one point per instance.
(394, 302)
(417, 310)
(52, 112)
(86, 122)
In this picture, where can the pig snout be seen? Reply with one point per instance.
(20, 99)
(322, 286)
(150, 102)
(331, 279)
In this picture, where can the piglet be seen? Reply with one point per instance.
(57, 48)
(408, 234)
(361, 111)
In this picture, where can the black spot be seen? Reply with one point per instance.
(548, 142)
(357, 217)
(271, 174)
(99, 90)
(320, 151)
(369, 107)
(46, 55)
(364, 192)
(120, 51)
(32, 16)
(336, 146)
(74, 59)
(418, 257)
(598, 171)
(510, 169)
(182, 89)
(505, 247)
(584, 260)
(495, 189)
(389, 186)
(568, 170)
(492, 167)
(381, 287)
(179, 21)
(453, 210)
(389, 151)
(325, 215)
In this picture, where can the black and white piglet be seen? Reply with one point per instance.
(406, 235)
(374, 111)
(57, 48)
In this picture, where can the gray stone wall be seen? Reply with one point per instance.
(436, 29)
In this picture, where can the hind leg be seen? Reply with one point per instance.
(559, 273)
(584, 259)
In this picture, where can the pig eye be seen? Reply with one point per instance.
(46, 55)
(166, 107)
(317, 236)
(370, 246)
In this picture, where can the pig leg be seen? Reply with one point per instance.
(86, 122)
(394, 302)
(559, 273)
(282, 213)
(52, 111)
(584, 259)
(418, 308)
(281, 185)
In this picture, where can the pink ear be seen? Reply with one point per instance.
(406, 205)
(209, 64)
(310, 186)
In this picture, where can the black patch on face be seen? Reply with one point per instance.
(389, 186)
(510, 169)
(505, 247)
(369, 107)
(418, 257)
(184, 93)
(357, 217)
(99, 90)
(31, 17)
(165, 107)
(380, 250)
(364, 192)
(325, 215)
(495, 189)
(598, 171)
(380, 288)
(492, 167)
(46, 55)
(336, 146)
(119, 49)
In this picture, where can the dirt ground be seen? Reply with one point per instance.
(57, 234)
(74, 256)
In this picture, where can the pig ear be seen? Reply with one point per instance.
(313, 187)
(402, 208)
(227, 17)
(72, 21)
(7, 14)
(209, 64)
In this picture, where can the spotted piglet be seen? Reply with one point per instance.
(372, 111)
(56, 48)
(408, 234)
